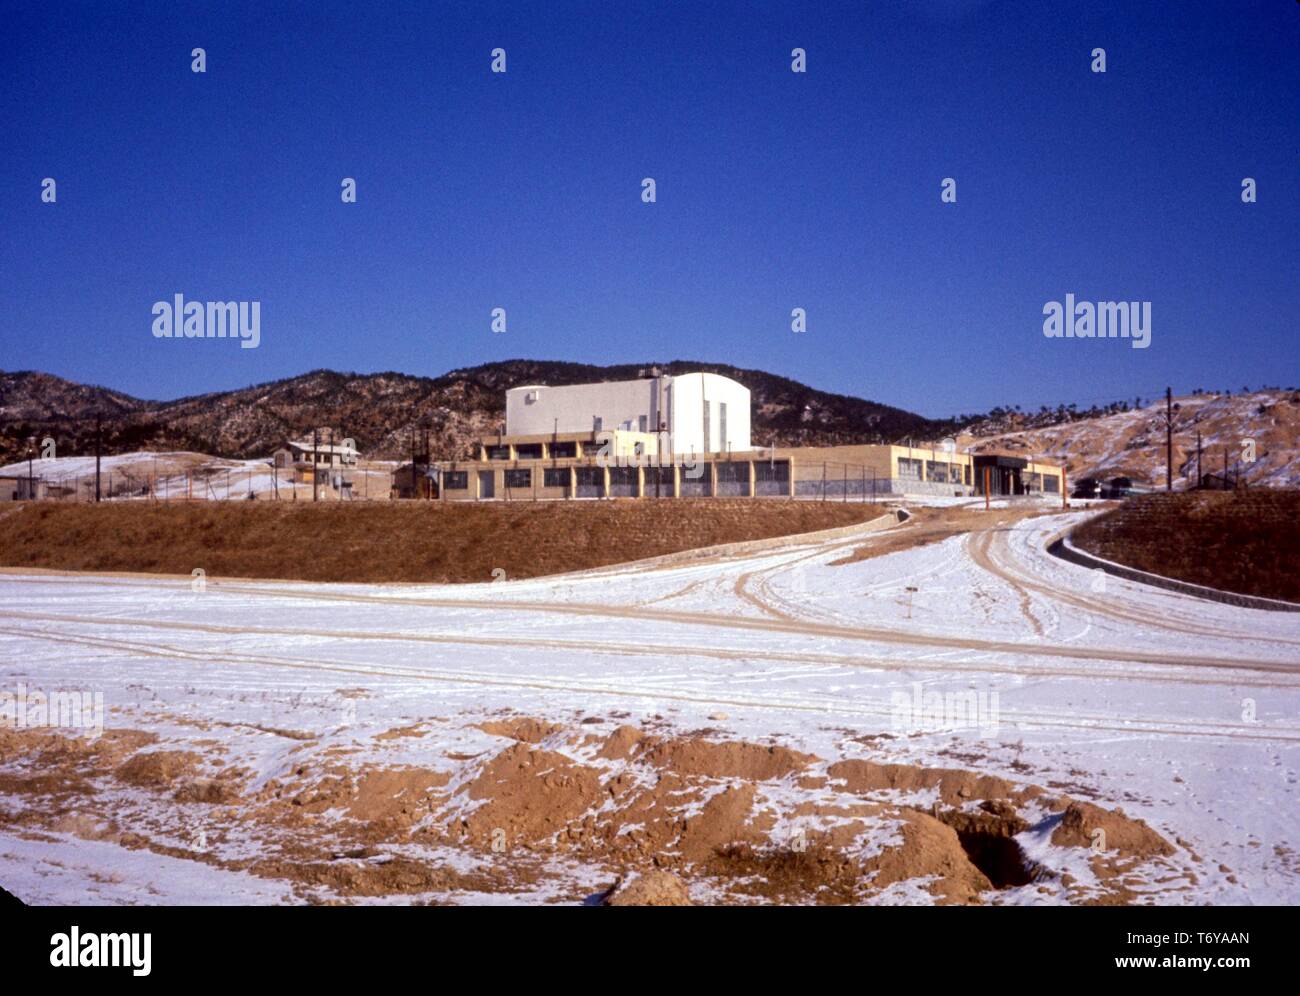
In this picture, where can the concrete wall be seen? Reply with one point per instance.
(678, 401)
(687, 396)
(537, 410)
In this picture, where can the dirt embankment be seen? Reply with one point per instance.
(599, 810)
(398, 541)
(1246, 542)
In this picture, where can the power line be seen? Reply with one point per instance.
(1151, 395)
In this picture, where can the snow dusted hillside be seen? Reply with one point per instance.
(1132, 443)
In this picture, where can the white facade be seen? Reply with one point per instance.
(702, 412)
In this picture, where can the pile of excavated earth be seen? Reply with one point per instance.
(600, 810)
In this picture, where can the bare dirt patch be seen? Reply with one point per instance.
(934, 525)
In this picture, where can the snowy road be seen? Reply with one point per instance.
(1185, 712)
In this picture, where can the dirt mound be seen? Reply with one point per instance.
(527, 796)
(654, 888)
(1086, 825)
(932, 849)
(526, 729)
(620, 743)
(745, 822)
(953, 784)
(731, 759)
(159, 768)
(213, 791)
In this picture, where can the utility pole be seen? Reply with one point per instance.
(1198, 458)
(99, 424)
(659, 439)
(1169, 439)
(315, 464)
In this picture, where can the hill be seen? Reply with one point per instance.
(1131, 443)
(380, 411)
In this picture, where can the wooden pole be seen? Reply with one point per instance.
(1169, 439)
(986, 489)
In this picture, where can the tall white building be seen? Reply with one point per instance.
(701, 412)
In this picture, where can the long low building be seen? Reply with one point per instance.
(621, 454)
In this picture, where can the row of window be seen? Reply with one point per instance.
(533, 451)
(552, 477)
(558, 477)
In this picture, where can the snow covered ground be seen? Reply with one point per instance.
(1184, 712)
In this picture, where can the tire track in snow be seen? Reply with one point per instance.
(829, 705)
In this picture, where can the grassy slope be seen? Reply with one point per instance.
(391, 541)
(1247, 542)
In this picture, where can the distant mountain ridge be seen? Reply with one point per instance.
(381, 410)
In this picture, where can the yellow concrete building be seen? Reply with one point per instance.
(700, 448)
(617, 464)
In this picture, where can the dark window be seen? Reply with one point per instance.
(456, 480)
(528, 451)
(1051, 483)
(909, 469)
(556, 477)
(623, 475)
(498, 452)
(564, 450)
(733, 473)
(519, 478)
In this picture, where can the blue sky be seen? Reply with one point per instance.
(775, 190)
